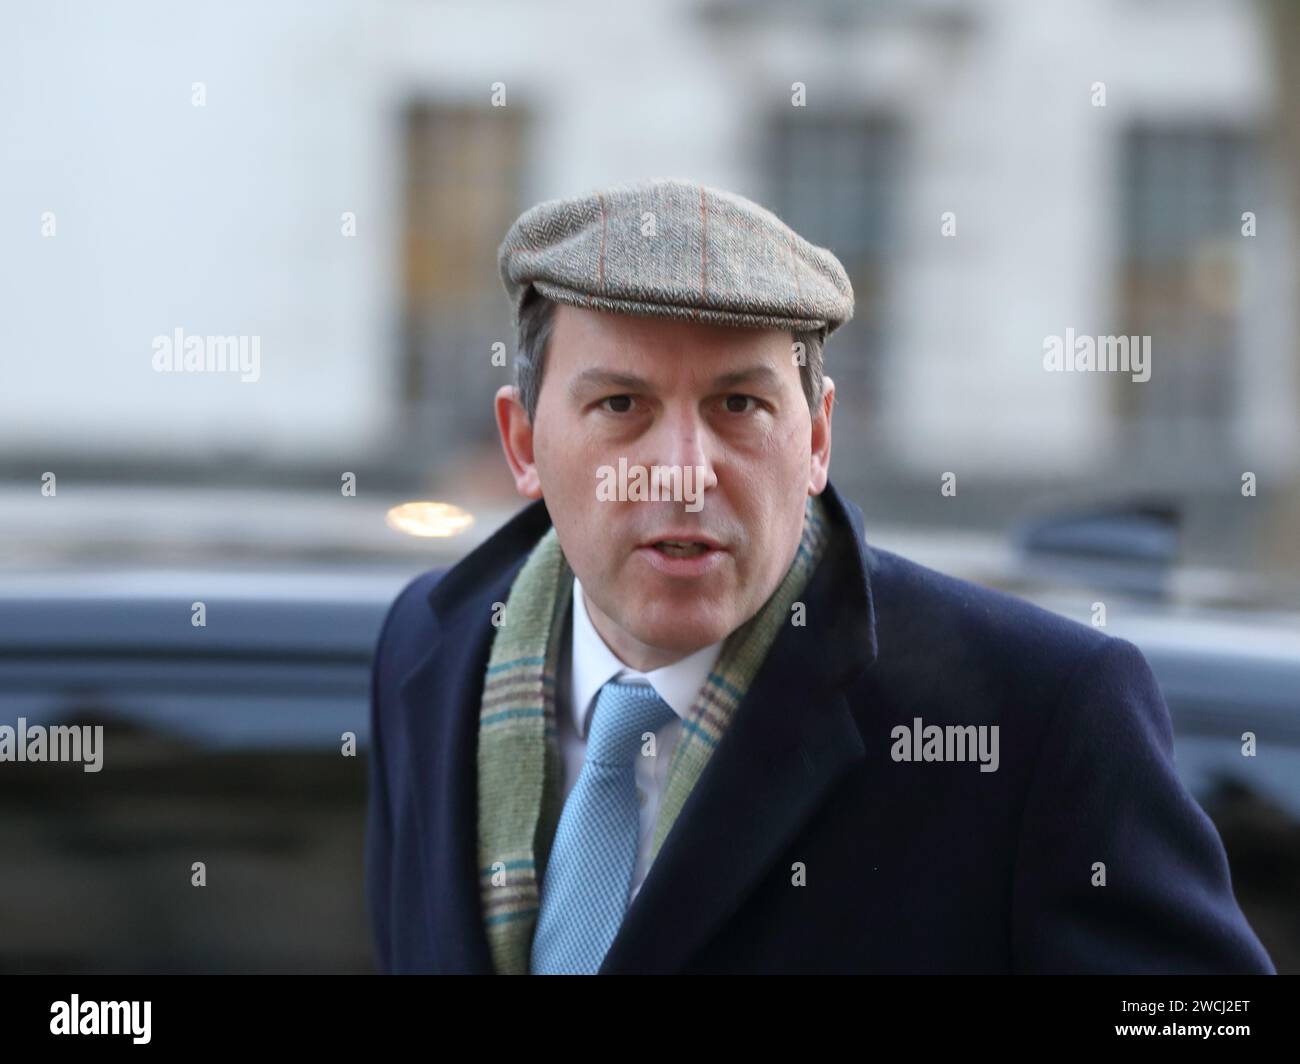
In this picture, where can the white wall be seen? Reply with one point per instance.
(221, 219)
(225, 219)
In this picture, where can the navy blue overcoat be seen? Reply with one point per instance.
(806, 846)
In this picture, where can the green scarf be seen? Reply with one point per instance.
(520, 771)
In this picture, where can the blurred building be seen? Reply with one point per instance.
(334, 179)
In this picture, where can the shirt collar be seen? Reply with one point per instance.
(593, 665)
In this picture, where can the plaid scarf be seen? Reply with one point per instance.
(520, 768)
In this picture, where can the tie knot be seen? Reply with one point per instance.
(624, 712)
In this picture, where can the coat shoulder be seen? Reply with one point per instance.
(408, 628)
(954, 621)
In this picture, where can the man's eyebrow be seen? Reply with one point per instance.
(760, 374)
(606, 378)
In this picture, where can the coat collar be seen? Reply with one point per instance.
(791, 739)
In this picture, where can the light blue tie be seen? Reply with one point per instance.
(589, 874)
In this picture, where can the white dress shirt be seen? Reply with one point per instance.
(590, 665)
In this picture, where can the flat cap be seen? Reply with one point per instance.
(673, 248)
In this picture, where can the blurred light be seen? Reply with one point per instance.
(428, 519)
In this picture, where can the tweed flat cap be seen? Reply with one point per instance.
(668, 247)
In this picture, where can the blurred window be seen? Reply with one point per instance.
(1184, 190)
(462, 177)
(835, 179)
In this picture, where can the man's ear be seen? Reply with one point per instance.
(819, 462)
(517, 442)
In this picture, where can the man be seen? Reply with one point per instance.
(677, 716)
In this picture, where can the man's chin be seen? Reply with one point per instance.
(679, 633)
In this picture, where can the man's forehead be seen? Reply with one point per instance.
(757, 375)
(597, 349)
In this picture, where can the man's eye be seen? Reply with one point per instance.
(743, 398)
(618, 399)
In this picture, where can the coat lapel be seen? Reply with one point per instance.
(791, 739)
(442, 697)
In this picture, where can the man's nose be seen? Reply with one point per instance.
(683, 440)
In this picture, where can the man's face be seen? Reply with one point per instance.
(721, 402)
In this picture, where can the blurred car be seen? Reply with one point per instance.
(226, 744)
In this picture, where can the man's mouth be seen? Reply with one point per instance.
(683, 556)
(676, 548)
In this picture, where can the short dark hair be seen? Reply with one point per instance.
(537, 318)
